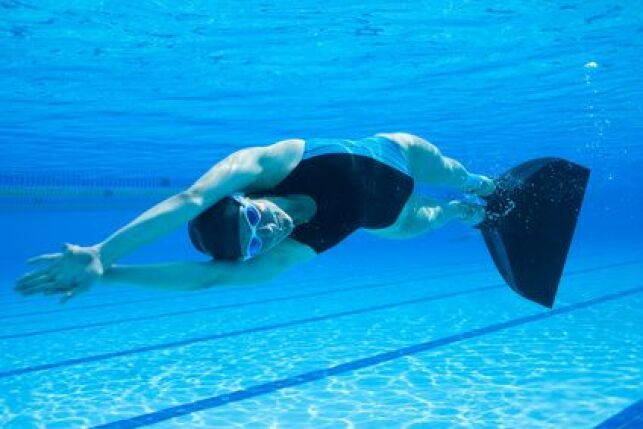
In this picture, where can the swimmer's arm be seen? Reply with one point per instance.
(238, 171)
(172, 276)
(190, 275)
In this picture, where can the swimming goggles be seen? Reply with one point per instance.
(253, 216)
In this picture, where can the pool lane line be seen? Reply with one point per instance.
(629, 418)
(205, 338)
(238, 305)
(320, 374)
(239, 288)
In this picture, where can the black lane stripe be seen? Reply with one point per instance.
(629, 418)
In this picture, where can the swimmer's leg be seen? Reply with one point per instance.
(423, 214)
(429, 166)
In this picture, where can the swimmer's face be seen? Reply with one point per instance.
(275, 225)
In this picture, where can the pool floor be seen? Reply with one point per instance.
(415, 347)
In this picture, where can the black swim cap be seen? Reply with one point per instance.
(216, 230)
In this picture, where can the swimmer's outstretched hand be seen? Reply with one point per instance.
(69, 273)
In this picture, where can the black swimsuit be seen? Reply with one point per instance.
(355, 184)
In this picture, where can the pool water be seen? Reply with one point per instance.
(417, 345)
(108, 107)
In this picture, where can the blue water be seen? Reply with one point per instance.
(108, 107)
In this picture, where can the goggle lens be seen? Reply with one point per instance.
(254, 247)
(253, 215)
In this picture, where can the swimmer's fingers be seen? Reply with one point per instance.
(26, 283)
(46, 287)
(33, 274)
(66, 273)
(48, 257)
(44, 280)
(53, 271)
(50, 287)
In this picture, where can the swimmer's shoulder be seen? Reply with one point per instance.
(278, 160)
(286, 153)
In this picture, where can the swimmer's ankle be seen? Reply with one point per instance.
(467, 213)
(479, 185)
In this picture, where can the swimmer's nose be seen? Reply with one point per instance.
(273, 231)
(267, 231)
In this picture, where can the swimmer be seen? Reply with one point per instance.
(262, 210)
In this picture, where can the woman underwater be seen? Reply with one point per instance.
(263, 209)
